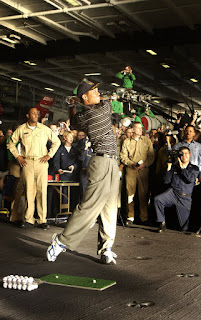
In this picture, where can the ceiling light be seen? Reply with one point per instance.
(93, 74)
(164, 65)
(193, 80)
(15, 37)
(30, 63)
(16, 79)
(153, 53)
(74, 2)
(49, 89)
(115, 84)
(53, 4)
(156, 101)
(87, 2)
(7, 44)
(5, 38)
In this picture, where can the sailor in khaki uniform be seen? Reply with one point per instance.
(34, 157)
(137, 154)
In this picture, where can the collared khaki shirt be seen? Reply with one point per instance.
(133, 151)
(33, 142)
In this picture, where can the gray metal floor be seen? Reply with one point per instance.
(147, 269)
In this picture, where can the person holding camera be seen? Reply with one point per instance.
(188, 141)
(181, 177)
(127, 76)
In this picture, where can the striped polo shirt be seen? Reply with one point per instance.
(95, 121)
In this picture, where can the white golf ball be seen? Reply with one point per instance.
(94, 281)
(29, 288)
(5, 285)
(15, 286)
(10, 285)
(5, 279)
(24, 287)
(19, 286)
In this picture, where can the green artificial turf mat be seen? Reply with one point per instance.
(78, 282)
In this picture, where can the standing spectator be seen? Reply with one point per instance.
(34, 157)
(52, 195)
(81, 135)
(129, 132)
(127, 76)
(3, 153)
(137, 154)
(8, 133)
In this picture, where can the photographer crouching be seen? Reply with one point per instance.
(181, 175)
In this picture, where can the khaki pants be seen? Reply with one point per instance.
(137, 179)
(35, 176)
(100, 198)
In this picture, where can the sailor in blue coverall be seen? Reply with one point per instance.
(182, 178)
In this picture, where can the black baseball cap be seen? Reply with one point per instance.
(84, 87)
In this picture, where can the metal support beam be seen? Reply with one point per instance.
(179, 12)
(26, 33)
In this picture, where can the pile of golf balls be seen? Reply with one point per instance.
(19, 283)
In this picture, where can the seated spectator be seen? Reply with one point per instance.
(134, 117)
(145, 111)
(66, 164)
(182, 177)
(117, 107)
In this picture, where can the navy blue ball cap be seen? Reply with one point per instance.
(84, 87)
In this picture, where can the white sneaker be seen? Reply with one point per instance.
(55, 248)
(107, 256)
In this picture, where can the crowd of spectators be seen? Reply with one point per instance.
(142, 160)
